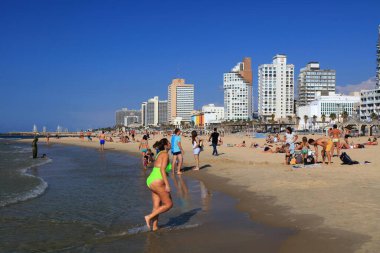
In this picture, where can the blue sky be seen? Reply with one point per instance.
(73, 63)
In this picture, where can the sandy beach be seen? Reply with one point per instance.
(336, 208)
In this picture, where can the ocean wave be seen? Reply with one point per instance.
(31, 194)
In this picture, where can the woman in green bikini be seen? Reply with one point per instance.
(159, 185)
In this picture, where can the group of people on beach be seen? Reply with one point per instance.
(157, 181)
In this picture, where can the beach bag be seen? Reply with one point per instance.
(299, 158)
(346, 159)
(293, 161)
(201, 147)
(310, 159)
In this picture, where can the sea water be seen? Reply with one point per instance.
(83, 200)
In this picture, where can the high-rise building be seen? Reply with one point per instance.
(180, 100)
(125, 117)
(370, 99)
(311, 80)
(276, 88)
(154, 112)
(378, 61)
(162, 112)
(237, 86)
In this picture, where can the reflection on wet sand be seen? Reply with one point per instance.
(205, 196)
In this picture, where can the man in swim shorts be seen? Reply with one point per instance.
(326, 144)
(335, 135)
(102, 140)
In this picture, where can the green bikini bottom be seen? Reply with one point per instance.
(156, 174)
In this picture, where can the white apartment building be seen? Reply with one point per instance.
(326, 105)
(217, 112)
(311, 80)
(154, 112)
(276, 88)
(378, 61)
(370, 103)
(238, 97)
(370, 99)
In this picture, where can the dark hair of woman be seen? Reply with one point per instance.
(193, 135)
(160, 145)
(289, 129)
(145, 137)
(176, 131)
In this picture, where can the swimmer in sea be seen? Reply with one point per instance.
(159, 185)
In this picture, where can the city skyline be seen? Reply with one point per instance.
(74, 63)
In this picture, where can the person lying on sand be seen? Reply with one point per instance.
(373, 142)
(254, 145)
(241, 145)
(281, 149)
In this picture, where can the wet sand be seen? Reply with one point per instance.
(334, 209)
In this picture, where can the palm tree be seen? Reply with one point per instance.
(298, 121)
(374, 116)
(305, 118)
(290, 118)
(314, 120)
(272, 118)
(323, 118)
(344, 116)
(332, 116)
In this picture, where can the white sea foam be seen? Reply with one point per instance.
(33, 193)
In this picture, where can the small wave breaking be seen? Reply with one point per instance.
(33, 193)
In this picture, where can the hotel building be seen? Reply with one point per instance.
(238, 91)
(311, 80)
(180, 101)
(276, 89)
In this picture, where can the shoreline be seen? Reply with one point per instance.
(313, 234)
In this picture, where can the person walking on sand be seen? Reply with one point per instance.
(177, 150)
(143, 147)
(335, 135)
(326, 144)
(196, 148)
(34, 147)
(102, 140)
(214, 137)
(158, 184)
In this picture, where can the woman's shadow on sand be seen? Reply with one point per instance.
(181, 219)
(188, 168)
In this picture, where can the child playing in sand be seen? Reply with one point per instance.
(304, 147)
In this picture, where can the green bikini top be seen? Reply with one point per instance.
(168, 167)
